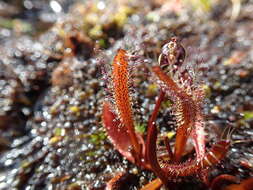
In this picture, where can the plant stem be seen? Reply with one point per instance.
(153, 185)
(156, 110)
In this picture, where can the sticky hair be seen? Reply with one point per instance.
(120, 87)
(178, 81)
(184, 108)
(191, 167)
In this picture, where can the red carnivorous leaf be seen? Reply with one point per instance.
(117, 133)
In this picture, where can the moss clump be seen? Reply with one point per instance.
(75, 110)
(55, 139)
(247, 115)
(140, 128)
(97, 138)
(151, 90)
(59, 132)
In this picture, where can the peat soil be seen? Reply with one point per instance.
(54, 62)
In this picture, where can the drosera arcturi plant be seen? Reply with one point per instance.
(177, 82)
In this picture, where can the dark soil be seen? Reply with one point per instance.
(52, 63)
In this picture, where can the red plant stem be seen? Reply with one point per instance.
(151, 153)
(114, 182)
(120, 181)
(120, 76)
(155, 113)
(219, 181)
(153, 185)
(187, 108)
(246, 184)
(167, 144)
(156, 109)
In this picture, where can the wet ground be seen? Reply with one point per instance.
(52, 60)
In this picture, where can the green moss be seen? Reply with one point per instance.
(170, 134)
(16, 24)
(25, 164)
(205, 4)
(166, 104)
(97, 138)
(121, 17)
(59, 132)
(217, 85)
(153, 17)
(91, 153)
(55, 139)
(102, 43)
(151, 90)
(75, 110)
(6, 23)
(23, 26)
(96, 32)
(207, 90)
(140, 128)
(202, 5)
(248, 115)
